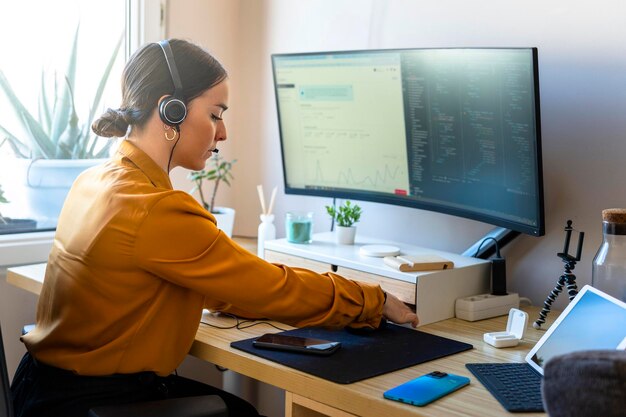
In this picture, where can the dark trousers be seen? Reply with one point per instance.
(40, 390)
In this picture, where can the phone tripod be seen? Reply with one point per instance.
(568, 279)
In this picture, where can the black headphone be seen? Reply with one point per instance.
(172, 109)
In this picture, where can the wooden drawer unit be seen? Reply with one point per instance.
(433, 293)
(405, 291)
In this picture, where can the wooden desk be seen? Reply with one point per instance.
(309, 396)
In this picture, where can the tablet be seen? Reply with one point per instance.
(592, 320)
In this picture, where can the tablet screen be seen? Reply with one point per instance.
(592, 320)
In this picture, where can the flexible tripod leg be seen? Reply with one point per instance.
(547, 305)
(572, 289)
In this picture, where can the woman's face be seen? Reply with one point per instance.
(203, 128)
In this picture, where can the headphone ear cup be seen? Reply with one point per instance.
(172, 110)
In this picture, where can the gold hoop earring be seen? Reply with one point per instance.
(167, 138)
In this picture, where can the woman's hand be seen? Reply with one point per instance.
(396, 311)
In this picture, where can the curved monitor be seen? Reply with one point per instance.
(452, 130)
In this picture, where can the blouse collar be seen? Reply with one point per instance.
(151, 169)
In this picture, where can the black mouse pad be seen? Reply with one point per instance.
(361, 356)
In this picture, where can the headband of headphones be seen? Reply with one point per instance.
(172, 109)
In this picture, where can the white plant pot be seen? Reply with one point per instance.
(43, 184)
(225, 217)
(345, 235)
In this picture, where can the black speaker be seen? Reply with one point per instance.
(172, 109)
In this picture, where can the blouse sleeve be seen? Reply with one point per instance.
(180, 242)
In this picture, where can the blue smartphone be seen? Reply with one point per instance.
(426, 388)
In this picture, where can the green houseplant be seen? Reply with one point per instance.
(218, 171)
(8, 224)
(54, 147)
(57, 132)
(345, 215)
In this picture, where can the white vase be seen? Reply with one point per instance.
(267, 231)
(345, 235)
(225, 217)
(41, 185)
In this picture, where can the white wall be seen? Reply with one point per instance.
(582, 71)
(582, 63)
(217, 26)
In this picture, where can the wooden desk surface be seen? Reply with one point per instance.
(365, 398)
(362, 398)
(27, 277)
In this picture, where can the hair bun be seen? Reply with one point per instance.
(113, 123)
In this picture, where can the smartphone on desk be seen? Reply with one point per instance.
(426, 388)
(297, 344)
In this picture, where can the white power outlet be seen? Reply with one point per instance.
(484, 306)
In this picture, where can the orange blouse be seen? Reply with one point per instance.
(134, 262)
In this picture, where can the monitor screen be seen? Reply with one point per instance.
(455, 131)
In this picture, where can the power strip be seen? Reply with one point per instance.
(484, 306)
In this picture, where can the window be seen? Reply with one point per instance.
(39, 41)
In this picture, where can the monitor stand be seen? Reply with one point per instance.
(488, 248)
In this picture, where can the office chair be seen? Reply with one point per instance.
(6, 402)
(586, 383)
(202, 406)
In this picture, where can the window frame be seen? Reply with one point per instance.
(145, 22)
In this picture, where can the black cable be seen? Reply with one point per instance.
(177, 128)
(239, 325)
(218, 327)
(484, 240)
(257, 322)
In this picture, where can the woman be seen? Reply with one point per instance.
(134, 261)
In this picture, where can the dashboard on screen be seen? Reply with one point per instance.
(455, 131)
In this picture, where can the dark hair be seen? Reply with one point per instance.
(146, 78)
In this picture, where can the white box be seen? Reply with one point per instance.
(435, 291)
(484, 306)
(515, 329)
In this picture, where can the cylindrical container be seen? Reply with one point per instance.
(299, 227)
(609, 264)
(267, 231)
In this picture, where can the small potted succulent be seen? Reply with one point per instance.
(9, 225)
(3, 200)
(218, 171)
(345, 215)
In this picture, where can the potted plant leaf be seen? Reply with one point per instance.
(54, 147)
(218, 171)
(9, 225)
(345, 215)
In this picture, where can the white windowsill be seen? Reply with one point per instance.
(25, 248)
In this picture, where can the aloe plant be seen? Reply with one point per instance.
(220, 171)
(57, 132)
